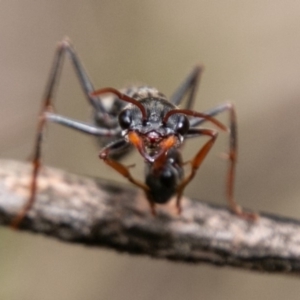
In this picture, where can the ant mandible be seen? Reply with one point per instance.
(142, 117)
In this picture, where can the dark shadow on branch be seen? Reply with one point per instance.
(100, 213)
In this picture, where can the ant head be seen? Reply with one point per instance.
(155, 115)
(131, 119)
(148, 116)
(153, 136)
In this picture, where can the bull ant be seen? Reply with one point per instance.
(141, 117)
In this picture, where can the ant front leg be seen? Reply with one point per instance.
(47, 104)
(73, 124)
(117, 146)
(232, 155)
(196, 161)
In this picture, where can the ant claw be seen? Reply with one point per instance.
(178, 209)
(248, 216)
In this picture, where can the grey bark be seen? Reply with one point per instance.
(100, 213)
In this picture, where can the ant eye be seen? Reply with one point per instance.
(125, 118)
(183, 125)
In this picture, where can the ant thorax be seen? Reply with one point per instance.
(142, 92)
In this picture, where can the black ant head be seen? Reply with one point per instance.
(153, 135)
(154, 125)
(149, 122)
(151, 114)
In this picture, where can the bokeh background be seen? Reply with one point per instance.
(251, 51)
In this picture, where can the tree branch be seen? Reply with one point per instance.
(100, 213)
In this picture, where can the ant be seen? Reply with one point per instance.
(141, 117)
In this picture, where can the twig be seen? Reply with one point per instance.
(101, 213)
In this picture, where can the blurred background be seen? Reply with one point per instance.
(251, 53)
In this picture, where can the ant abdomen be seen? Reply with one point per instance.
(163, 183)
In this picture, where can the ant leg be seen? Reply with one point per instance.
(196, 161)
(216, 111)
(190, 85)
(232, 155)
(65, 46)
(87, 86)
(123, 170)
(81, 126)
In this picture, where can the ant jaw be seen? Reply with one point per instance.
(152, 146)
(159, 152)
(153, 138)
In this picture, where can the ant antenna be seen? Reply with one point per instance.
(193, 114)
(122, 97)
